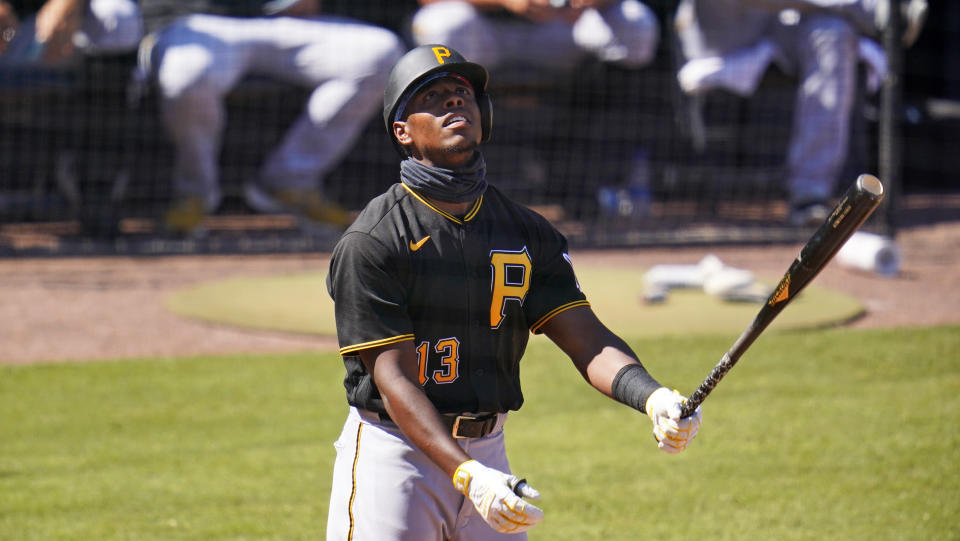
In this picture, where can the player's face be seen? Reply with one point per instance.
(443, 126)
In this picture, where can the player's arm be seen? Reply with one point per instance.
(369, 307)
(394, 369)
(611, 367)
(595, 350)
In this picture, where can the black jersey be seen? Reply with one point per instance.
(467, 291)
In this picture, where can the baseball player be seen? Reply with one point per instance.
(437, 286)
(729, 44)
(205, 50)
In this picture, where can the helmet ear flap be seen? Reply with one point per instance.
(486, 115)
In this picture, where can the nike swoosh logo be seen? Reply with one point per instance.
(414, 246)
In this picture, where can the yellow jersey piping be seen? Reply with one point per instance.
(375, 343)
(353, 475)
(540, 322)
(469, 216)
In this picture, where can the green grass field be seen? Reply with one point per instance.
(819, 435)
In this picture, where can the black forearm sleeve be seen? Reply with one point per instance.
(633, 385)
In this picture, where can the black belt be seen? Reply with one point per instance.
(463, 426)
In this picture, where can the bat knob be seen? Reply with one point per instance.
(517, 486)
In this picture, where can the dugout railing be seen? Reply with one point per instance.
(85, 163)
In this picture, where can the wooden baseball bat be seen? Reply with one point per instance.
(856, 205)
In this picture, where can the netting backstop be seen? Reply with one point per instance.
(613, 156)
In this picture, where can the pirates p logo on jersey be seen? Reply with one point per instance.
(511, 281)
(441, 53)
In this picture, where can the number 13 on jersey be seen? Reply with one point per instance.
(448, 350)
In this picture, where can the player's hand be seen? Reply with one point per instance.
(673, 433)
(492, 494)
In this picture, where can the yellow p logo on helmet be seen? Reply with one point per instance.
(441, 53)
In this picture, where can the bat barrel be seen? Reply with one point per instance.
(854, 207)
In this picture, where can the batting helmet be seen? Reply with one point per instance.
(416, 67)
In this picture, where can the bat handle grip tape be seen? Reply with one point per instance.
(699, 395)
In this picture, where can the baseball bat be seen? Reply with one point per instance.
(856, 205)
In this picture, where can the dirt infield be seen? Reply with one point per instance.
(113, 308)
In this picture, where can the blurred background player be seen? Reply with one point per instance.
(730, 43)
(46, 49)
(53, 32)
(198, 51)
(437, 286)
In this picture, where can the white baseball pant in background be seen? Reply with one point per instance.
(198, 59)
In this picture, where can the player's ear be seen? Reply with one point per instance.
(401, 134)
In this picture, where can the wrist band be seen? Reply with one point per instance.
(633, 385)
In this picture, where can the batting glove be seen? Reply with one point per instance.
(673, 433)
(492, 493)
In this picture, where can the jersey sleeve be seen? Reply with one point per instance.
(554, 287)
(369, 299)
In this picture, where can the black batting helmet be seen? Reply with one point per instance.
(418, 65)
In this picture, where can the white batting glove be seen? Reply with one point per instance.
(673, 433)
(491, 492)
